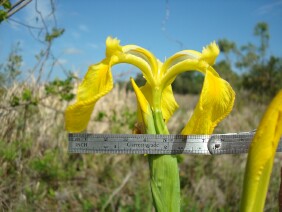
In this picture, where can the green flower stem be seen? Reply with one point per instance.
(160, 125)
(164, 174)
(165, 185)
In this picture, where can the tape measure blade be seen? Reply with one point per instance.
(235, 143)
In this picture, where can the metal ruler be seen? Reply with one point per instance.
(231, 143)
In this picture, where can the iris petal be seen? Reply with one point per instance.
(189, 60)
(112, 47)
(261, 156)
(144, 111)
(141, 58)
(132, 54)
(168, 103)
(215, 103)
(180, 57)
(210, 53)
(97, 82)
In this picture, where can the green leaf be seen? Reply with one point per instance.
(50, 89)
(14, 101)
(56, 32)
(26, 95)
(67, 97)
(7, 4)
(3, 15)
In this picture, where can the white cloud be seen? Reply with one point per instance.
(61, 62)
(268, 8)
(72, 50)
(15, 26)
(83, 28)
(75, 34)
(93, 45)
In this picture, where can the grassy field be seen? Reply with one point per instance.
(37, 173)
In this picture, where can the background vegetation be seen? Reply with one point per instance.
(38, 174)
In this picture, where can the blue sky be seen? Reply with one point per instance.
(163, 27)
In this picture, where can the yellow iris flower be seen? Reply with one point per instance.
(156, 104)
(216, 99)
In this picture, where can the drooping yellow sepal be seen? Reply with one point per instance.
(215, 103)
(97, 82)
(261, 155)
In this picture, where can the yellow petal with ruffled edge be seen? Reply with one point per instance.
(112, 47)
(97, 82)
(168, 102)
(210, 53)
(95, 86)
(217, 96)
(261, 155)
(144, 111)
(215, 103)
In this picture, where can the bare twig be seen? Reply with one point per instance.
(8, 108)
(55, 62)
(164, 23)
(40, 66)
(41, 16)
(117, 190)
(46, 57)
(36, 38)
(24, 24)
(53, 11)
(51, 108)
(24, 104)
(17, 6)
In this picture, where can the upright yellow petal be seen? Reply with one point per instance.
(168, 103)
(186, 65)
(142, 53)
(261, 155)
(144, 111)
(135, 55)
(189, 60)
(97, 82)
(215, 103)
(143, 59)
(179, 57)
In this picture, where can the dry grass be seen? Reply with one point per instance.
(37, 173)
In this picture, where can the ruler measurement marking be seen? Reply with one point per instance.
(231, 143)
